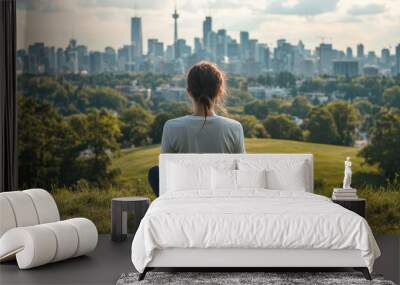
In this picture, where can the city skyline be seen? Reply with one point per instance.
(96, 23)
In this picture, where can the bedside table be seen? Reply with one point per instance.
(358, 205)
(119, 215)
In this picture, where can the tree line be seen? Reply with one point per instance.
(70, 126)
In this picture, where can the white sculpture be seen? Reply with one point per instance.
(347, 174)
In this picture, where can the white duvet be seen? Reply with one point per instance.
(250, 219)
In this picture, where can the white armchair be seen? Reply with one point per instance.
(31, 230)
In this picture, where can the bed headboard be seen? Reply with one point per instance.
(210, 159)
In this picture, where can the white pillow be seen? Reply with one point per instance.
(224, 179)
(183, 177)
(228, 179)
(288, 174)
(251, 178)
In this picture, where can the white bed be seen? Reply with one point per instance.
(218, 224)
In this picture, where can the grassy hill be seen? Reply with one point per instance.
(328, 159)
(383, 202)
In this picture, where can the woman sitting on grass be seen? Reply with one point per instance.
(203, 131)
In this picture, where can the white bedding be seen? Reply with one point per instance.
(250, 219)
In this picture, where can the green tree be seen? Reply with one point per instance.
(40, 131)
(265, 80)
(372, 88)
(282, 126)
(300, 107)
(261, 108)
(139, 99)
(312, 85)
(321, 127)
(346, 119)
(383, 148)
(167, 111)
(367, 112)
(257, 108)
(104, 97)
(252, 128)
(94, 137)
(100, 139)
(175, 109)
(391, 97)
(48, 90)
(158, 126)
(285, 80)
(237, 82)
(73, 168)
(237, 97)
(58, 151)
(364, 107)
(136, 126)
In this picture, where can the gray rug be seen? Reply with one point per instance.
(243, 278)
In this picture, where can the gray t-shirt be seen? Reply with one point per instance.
(188, 135)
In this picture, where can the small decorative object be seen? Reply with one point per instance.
(347, 174)
(347, 192)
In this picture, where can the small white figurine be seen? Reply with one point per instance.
(347, 174)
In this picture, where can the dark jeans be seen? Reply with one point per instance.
(154, 179)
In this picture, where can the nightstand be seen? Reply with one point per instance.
(119, 215)
(358, 205)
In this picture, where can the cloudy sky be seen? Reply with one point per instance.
(101, 23)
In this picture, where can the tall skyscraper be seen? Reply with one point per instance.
(72, 57)
(244, 44)
(385, 56)
(96, 62)
(349, 52)
(151, 47)
(253, 49)
(284, 57)
(326, 56)
(155, 48)
(207, 28)
(360, 51)
(347, 68)
(398, 59)
(136, 36)
(197, 45)
(175, 16)
(222, 44)
(233, 50)
(263, 55)
(60, 60)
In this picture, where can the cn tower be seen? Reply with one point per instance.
(175, 16)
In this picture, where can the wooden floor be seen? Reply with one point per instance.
(110, 260)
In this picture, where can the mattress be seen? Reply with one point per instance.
(250, 219)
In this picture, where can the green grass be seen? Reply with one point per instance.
(328, 159)
(383, 203)
(94, 203)
(383, 209)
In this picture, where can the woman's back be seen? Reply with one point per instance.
(194, 134)
(202, 132)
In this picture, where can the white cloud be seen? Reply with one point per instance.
(369, 9)
(48, 6)
(126, 4)
(302, 7)
(101, 23)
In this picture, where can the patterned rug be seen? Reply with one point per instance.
(243, 278)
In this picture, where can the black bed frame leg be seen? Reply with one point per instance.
(143, 274)
(364, 271)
